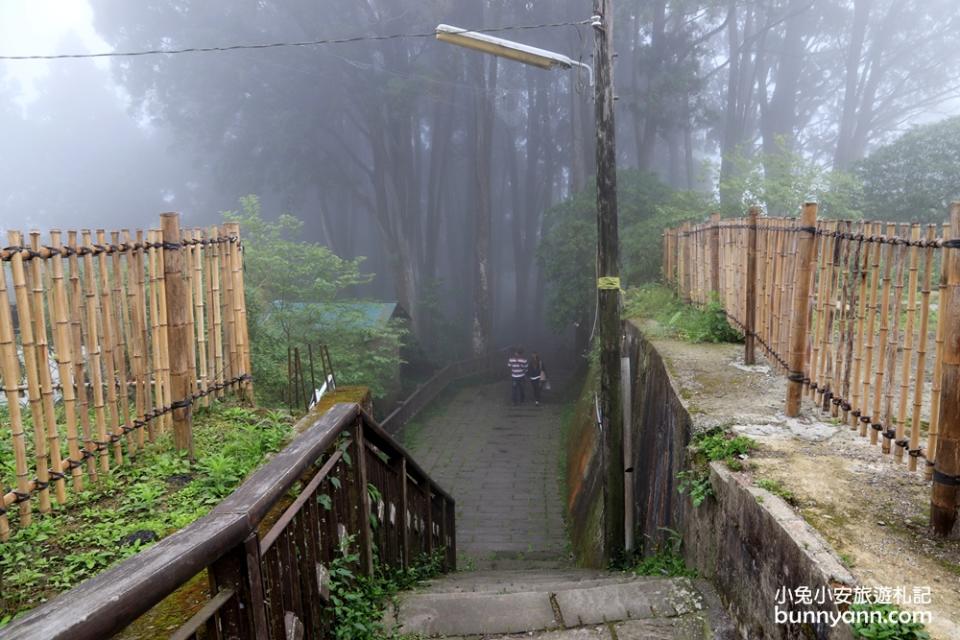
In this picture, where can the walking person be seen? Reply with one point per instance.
(537, 374)
(518, 371)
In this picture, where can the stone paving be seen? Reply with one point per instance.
(502, 466)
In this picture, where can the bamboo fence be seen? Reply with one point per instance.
(852, 312)
(107, 340)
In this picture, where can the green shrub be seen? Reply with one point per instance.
(681, 320)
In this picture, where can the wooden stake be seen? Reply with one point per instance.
(94, 355)
(883, 312)
(109, 348)
(750, 299)
(865, 418)
(177, 300)
(806, 255)
(946, 475)
(198, 315)
(862, 294)
(216, 310)
(240, 311)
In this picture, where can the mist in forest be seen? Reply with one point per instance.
(438, 164)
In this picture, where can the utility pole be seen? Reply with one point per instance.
(608, 283)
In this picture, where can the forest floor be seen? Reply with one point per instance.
(871, 509)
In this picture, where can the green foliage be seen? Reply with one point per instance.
(136, 504)
(776, 488)
(681, 320)
(567, 249)
(666, 559)
(781, 182)
(914, 178)
(358, 601)
(295, 294)
(696, 483)
(711, 446)
(887, 630)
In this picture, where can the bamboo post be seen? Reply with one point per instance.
(187, 247)
(806, 254)
(177, 298)
(843, 286)
(937, 366)
(110, 376)
(914, 444)
(869, 339)
(122, 342)
(32, 366)
(198, 315)
(11, 386)
(38, 312)
(63, 344)
(893, 345)
(907, 357)
(216, 310)
(686, 281)
(77, 313)
(715, 253)
(864, 271)
(240, 310)
(884, 313)
(94, 354)
(946, 473)
(852, 286)
(158, 339)
(750, 300)
(135, 320)
(229, 317)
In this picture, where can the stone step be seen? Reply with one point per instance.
(561, 604)
(521, 583)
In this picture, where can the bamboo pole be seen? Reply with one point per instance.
(155, 337)
(778, 264)
(937, 364)
(946, 474)
(907, 344)
(217, 310)
(851, 285)
(791, 247)
(862, 278)
(196, 257)
(94, 354)
(63, 343)
(819, 308)
(134, 320)
(915, 450)
(180, 333)
(11, 383)
(229, 317)
(109, 347)
(870, 337)
(77, 315)
(121, 325)
(35, 278)
(893, 345)
(187, 246)
(807, 258)
(32, 367)
(842, 288)
(826, 315)
(240, 311)
(750, 299)
(883, 311)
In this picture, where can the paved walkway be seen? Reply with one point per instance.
(502, 466)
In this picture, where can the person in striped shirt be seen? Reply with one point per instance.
(518, 371)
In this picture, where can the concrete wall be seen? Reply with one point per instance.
(745, 540)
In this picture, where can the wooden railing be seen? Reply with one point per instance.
(268, 547)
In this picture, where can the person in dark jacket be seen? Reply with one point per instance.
(518, 371)
(537, 374)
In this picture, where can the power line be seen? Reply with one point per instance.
(275, 45)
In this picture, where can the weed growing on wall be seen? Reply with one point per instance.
(711, 446)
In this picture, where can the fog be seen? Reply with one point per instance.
(436, 163)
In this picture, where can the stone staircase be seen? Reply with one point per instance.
(561, 604)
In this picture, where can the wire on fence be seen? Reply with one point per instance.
(85, 347)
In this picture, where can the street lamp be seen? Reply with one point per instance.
(608, 255)
(509, 49)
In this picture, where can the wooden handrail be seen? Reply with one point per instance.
(107, 603)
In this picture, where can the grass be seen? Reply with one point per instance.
(665, 560)
(135, 505)
(711, 446)
(683, 321)
(776, 488)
